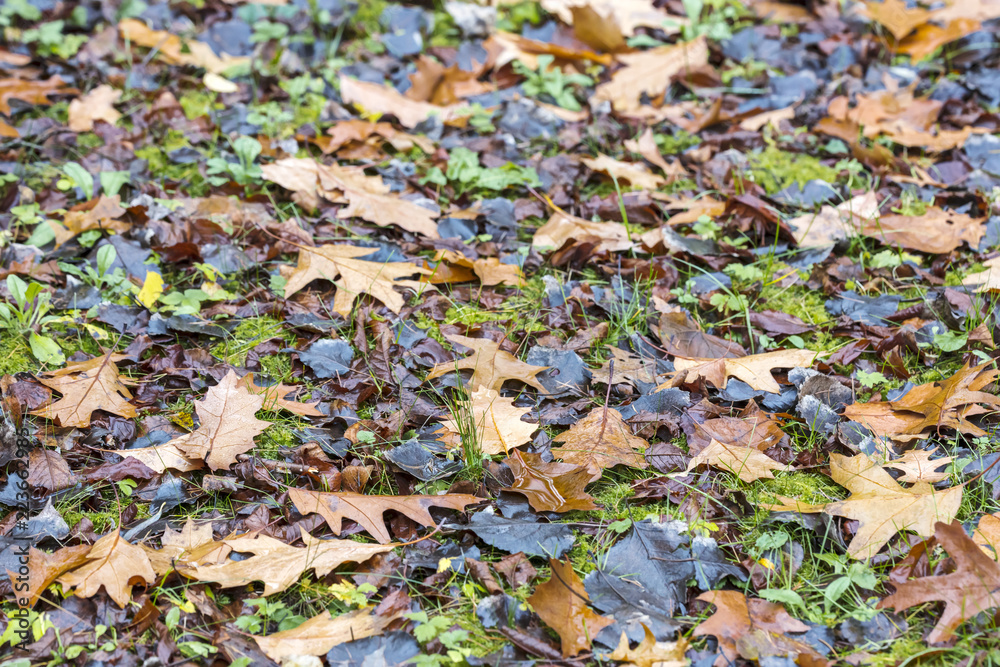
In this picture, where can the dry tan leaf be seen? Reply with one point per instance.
(896, 17)
(367, 511)
(45, 568)
(987, 535)
(651, 653)
(96, 105)
(374, 98)
(48, 470)
(274, 397)
(85, 387)
(988, 280)
(597, 31)
(161, 457)
(834, 223)
(747, 463)
(563, 227)
(277, 564)
(354, 277)
(321, 633)
(173, 50)
(754, 369)
(772, 118)
(490, 365)
(636, 174)
(497, 422)
(628, 15)
(937, 231)
(101, 214)
(194, 544)
(917, 466)
(490, 270)
(781, 12)
(601, 440)
(929, 38)
(645, 145)
(550, 487)
(114, 564)
(31, 91)
(628, 368)
(650, 72)
(979, 10)
(228, 425)
(562, 603)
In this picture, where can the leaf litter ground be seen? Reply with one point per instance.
(503, 333)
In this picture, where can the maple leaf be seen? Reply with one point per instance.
(353, 277)
(601, 440)
(562, 603)
(96, 105)
(35, 92)
(277, 564)
(114, 564)
(497, 423)
(752, 629)
(754, 369)
(563, 227)
(747, 463)
(321, 633)
(367, 511)
(974, 586)
(86, 386)
(228, 425)
(550, 487)
(651, 653)
(490, 365)
(274, 397)
(46, 568)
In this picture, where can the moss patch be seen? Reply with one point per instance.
(775, 169)
(15, 355)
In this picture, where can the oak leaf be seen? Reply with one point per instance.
(917, 466)
(550, 487)
(635, 174)
(651, 653)
(228, 425)
(490, 365)
(937, 231)
(973, 587)
(367, 511)
(277, 564)
(747, 463)
(45, 568)
(834, 223)
(601, 440)
(171, 49)
(193, 544)
(102, 214)
(752, 629)
(48, 470)
(159, 458)
(377, 98)
(645, 145)
(321, 633)
(929, 37)
(32, 91)
(650, 72)
(754, 369)
(628, 367)
(86, 386)
(987, 280)
(497, 422)
(562, 603)
(353, 277)
(114, 564)
(987, 535)
(489, 270)
(628, 15)
(275, 397)
(96, 105)
(563, 227)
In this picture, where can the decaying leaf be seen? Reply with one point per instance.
(490, 270)
(563, 227)
(374, 98)
(987, 535)
(550, 487)
(651, 653)
(897, 18)
(754, 369)
(562, 602)
(193, 544)
(114, 564)
(601, 440)
(367, 510)
(45, 568)
(31, 91)
(974, 586)
(275, 397)
(627, 368)
(747, 463)
(834, 223)
(987, 280)
(321, 633)
(159, 458)
(937, 231)
(228, 425)
(490, 365)
(650, 72)
(497, 423)
(635, 174)
(86, 386)
(96, 105)
(917, 466)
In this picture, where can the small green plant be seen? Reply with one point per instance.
(551, 82)
(870, 380)
(480, 119)
(744, 273)
(51, 41)
(244, 172)
(465, 172)
(268, 613)
(28, 317)
(429, 629)
(113, 285)
(271, 117)
(77, 177)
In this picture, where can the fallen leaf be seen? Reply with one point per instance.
(48, 470)
(937, 231)
(628, 15)
(96, 105)
(354, 277)
(929, 38)
(650, 72)
(550, 487)
(970, 590)
(635, 174)
(321, 633)
(274, 397)
(31, 91)
(227, 424)
(896, 17)
(490, 271)
(367, 511)
(561, 602)
(218, 84)
(980, 10)
(175, 51)
(834, 223)
(627, 368)
(152, 288)
(754, 369)
(497, 423)
(45, 568)
(277, 564)
(193, 544)
(376, 99)
(917, 466)
(563, 227)
(85, 387)
(114, 564)
(987, 280)
(645, 145)
(161, 457)
(490, 365)
(651, 653)
(103, 214)
(987, 535)
(747, 463)
(753, 628)
(601, 440)
(773, 118)
(597, 31)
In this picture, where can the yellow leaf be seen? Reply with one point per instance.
(151, 290)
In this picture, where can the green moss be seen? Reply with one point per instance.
(58, 112)
(272, 439)
(366, 21)
(250, 333)
(88, 141)
(15, 355)
(469, 314)
(309, 111)
(954, 277)
(197, 103)
(160, 167)
(807, 305)
(807, 487)
(775, 169)
(675, 143)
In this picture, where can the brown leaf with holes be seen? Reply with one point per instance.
(228, 425)
(367, 511)
(114, 564)
(86, 386)
(45, 568)
(601, 440)
(490, 365)
(753, 369)
(561, 602)
(354, 277)
(974, 586)
(31, 91)
(96, 105)
(747, 463)
(550, 487)
(627, 368)
(651, 653)
(277, 564)
(752, 629)
(275, 397)
(497, 422)
(917, 466)
(321, 633)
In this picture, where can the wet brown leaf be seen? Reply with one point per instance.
(562, 603)
(114, 564)
(86, 386)
(490, 365)
(601, 440)
(550, 487)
